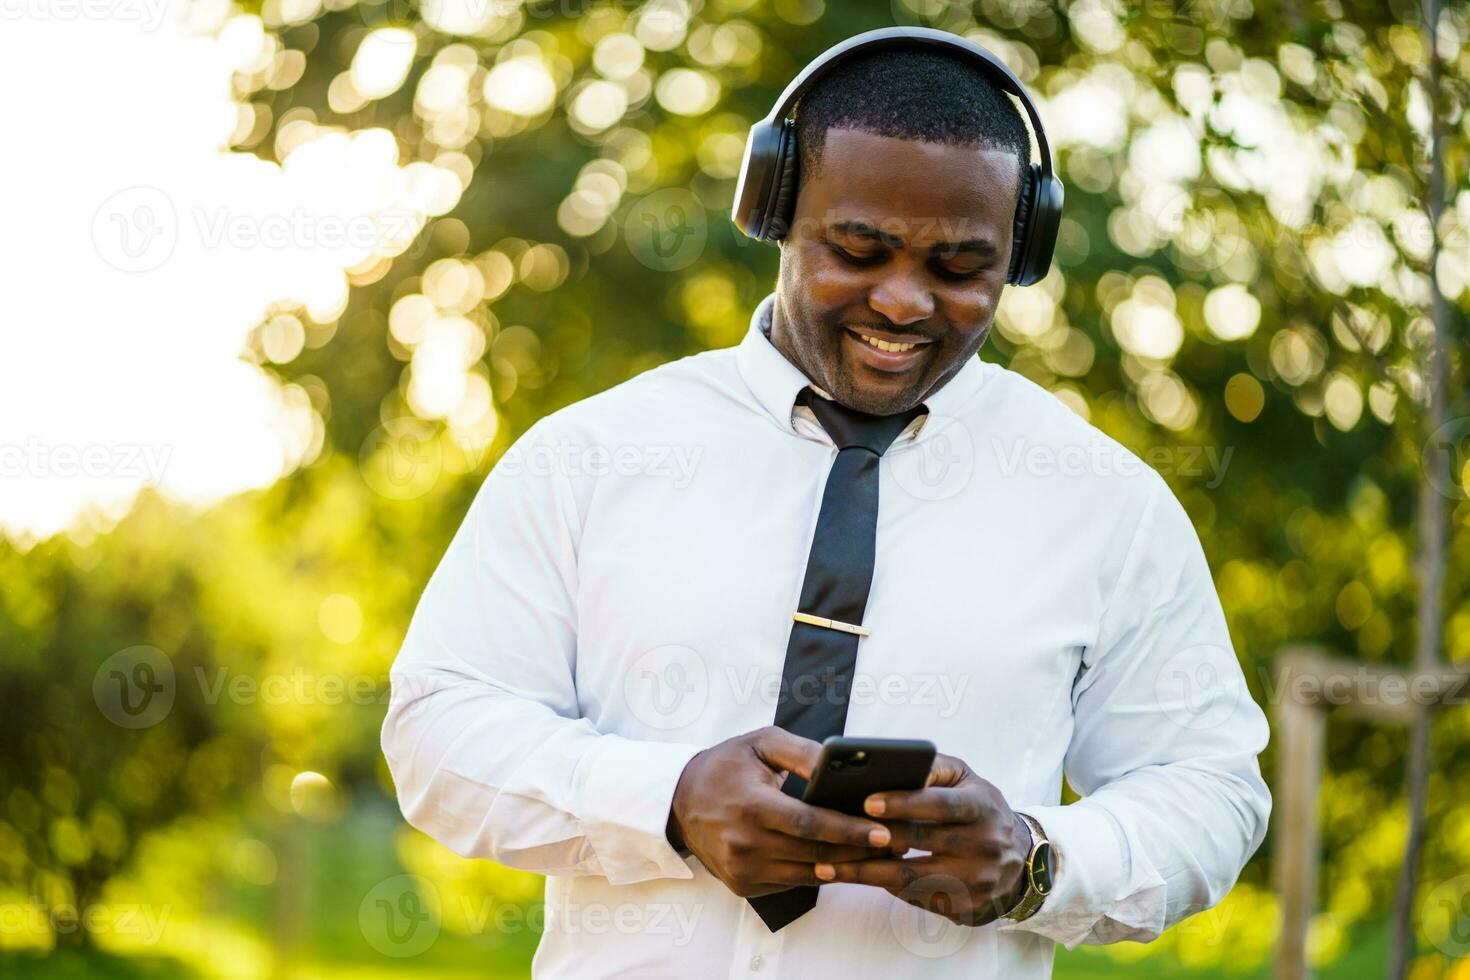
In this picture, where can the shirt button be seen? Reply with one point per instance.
(756, 963)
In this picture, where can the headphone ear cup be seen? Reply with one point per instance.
(1021, 229)
(783, 200)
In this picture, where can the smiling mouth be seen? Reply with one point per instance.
(884, 344)
(888, 355)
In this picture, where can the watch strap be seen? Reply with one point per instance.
(1031, 899)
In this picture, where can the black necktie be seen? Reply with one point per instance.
(816, 679)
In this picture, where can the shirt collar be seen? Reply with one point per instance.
(775, 381)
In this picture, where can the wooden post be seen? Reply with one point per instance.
(1301, 728)
(1312, 682)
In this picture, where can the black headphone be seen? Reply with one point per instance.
(765, 195)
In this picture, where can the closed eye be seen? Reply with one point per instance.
(954, 276)
(857, 260)
(949, 275)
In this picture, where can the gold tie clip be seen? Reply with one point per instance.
(831, 624)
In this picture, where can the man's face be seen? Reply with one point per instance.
(901, 241)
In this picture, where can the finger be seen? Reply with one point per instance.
(936, 838)
(794, 818)
(782, 847)
(785, 873)
(903, 877)
(943, 893)
(781, 750)
(885, 873)
(934, 884)
(946, 771)
(939, 804)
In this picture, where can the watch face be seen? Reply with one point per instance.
(1041, 868)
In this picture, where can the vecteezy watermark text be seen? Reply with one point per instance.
(148, 14)
(299, 687)
(37, 918)
(400, 917)
(96, 460)
(567, 459)
(1099, 457)
(138, 229)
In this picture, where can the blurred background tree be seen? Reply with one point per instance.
(1238, 295)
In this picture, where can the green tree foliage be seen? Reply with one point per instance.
(1238, 295)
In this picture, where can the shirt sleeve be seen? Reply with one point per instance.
(483, 735)
(1163, 752)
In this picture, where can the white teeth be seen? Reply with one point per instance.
(885, 345)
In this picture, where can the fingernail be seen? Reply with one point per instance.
(826, 872)
(875, 806)
(879, 836)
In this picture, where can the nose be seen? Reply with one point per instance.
(902, 298)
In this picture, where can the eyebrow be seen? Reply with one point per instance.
(862, 229)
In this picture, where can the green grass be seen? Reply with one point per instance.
(340, 863)
(1365, 957)
(455, 957)
(89, 964)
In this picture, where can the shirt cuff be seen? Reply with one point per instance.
(625, 808)
(1097, 895)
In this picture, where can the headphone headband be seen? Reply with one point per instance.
(765, 194)
(889, 37)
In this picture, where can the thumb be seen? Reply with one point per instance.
(947, 771)
(782, 750)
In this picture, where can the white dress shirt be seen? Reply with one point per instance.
(619, 597)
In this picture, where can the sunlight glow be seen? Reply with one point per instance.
(142, 255)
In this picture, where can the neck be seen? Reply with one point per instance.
(777, 331)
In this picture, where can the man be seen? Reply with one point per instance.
(590, 686)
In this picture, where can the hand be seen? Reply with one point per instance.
(730, 812)
(977, 843)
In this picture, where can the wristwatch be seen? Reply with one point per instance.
(1037, 874)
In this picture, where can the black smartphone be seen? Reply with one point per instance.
(851, 769)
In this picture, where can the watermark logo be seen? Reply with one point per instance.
(667, 687)
(134, 688)
(136, 230)
(401, 459)
(1445, 917)
(940, 464)
(1446, 458)
(399, 916)
(929, 934)
(667, 230)
(1200, 688)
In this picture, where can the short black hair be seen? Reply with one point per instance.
(913, 94)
